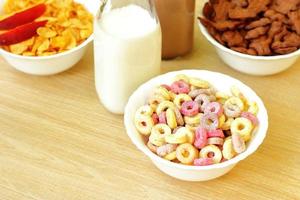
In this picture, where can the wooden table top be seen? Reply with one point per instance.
(58, 142)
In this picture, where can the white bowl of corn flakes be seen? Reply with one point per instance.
(193, 165)
(54, 33)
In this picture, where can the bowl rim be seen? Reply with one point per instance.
(252, 57)
(142, 147)
(86, 42)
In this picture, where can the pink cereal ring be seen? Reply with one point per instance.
(189, 108)
(210, 121)
(201, 138)
(215, 133)
(162, 117)
(251, 117)
(155, 118)
(203, 161)
(214, 107)
(180, 87)
(166, 86)
(166, 149)
(202, 100)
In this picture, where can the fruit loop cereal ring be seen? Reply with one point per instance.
(201, 138)
(199, 83)
(152, 147)
(180, 99)
(222, 95)
(176, 129)
(233, 107)
(186, 153)
(144, 110)
(215, 141)
(162, 118)
(189, 108)
(163, 106)
(193, 120)
(192, 127)
(163, 92)
(235, 91)
(144, 124)
(217, 154)
(166, 149)
(251, 117)
(214, 107)
(189, 134)
(179, 118)
(182, 77)
(166, 86)
(238, 143)
(196, 92)
(253, 108)
(179, 137)
(158, 134)
(215, 133)
(221, 121)
(155, 118)
(210, 121)
(170, 156)
(171, 118)
(242, 126)
(202, 100)
(228, 151)
(227, 124)
(180, 87)
(155, 100)
(203, 161)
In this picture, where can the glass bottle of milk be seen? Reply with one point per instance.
(127, 49)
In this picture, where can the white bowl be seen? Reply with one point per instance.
(48, 65)
(255, 65)
(194, 173)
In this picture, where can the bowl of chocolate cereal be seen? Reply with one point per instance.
(258, 37)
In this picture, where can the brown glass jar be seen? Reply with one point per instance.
(177, 24)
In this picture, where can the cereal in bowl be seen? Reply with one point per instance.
(192, 123)
(43, 27)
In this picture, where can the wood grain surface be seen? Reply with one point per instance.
(57, 142)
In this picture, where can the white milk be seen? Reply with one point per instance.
(127, 50)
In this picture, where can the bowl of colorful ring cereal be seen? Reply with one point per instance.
(44, 37)
(195, 125)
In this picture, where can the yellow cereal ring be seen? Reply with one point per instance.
(228, 151)
(242, 126)
(233, 107)
(163, 92)
(181, 98)
(158, 134)
(222, 95)
(182, 77)
(172, 95)
(154, 100)
(194, 119)
(179, 137)
(163, 106)
(221, 120)
(235, 91)
(170, 156)
(199, 83)
(144, 110)
(253, 108)
(171, 118)
(217, 154)
(186, 153)
(227, 124)
(235, 101)
(192, 127)
(190, 135)
(144, 124)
